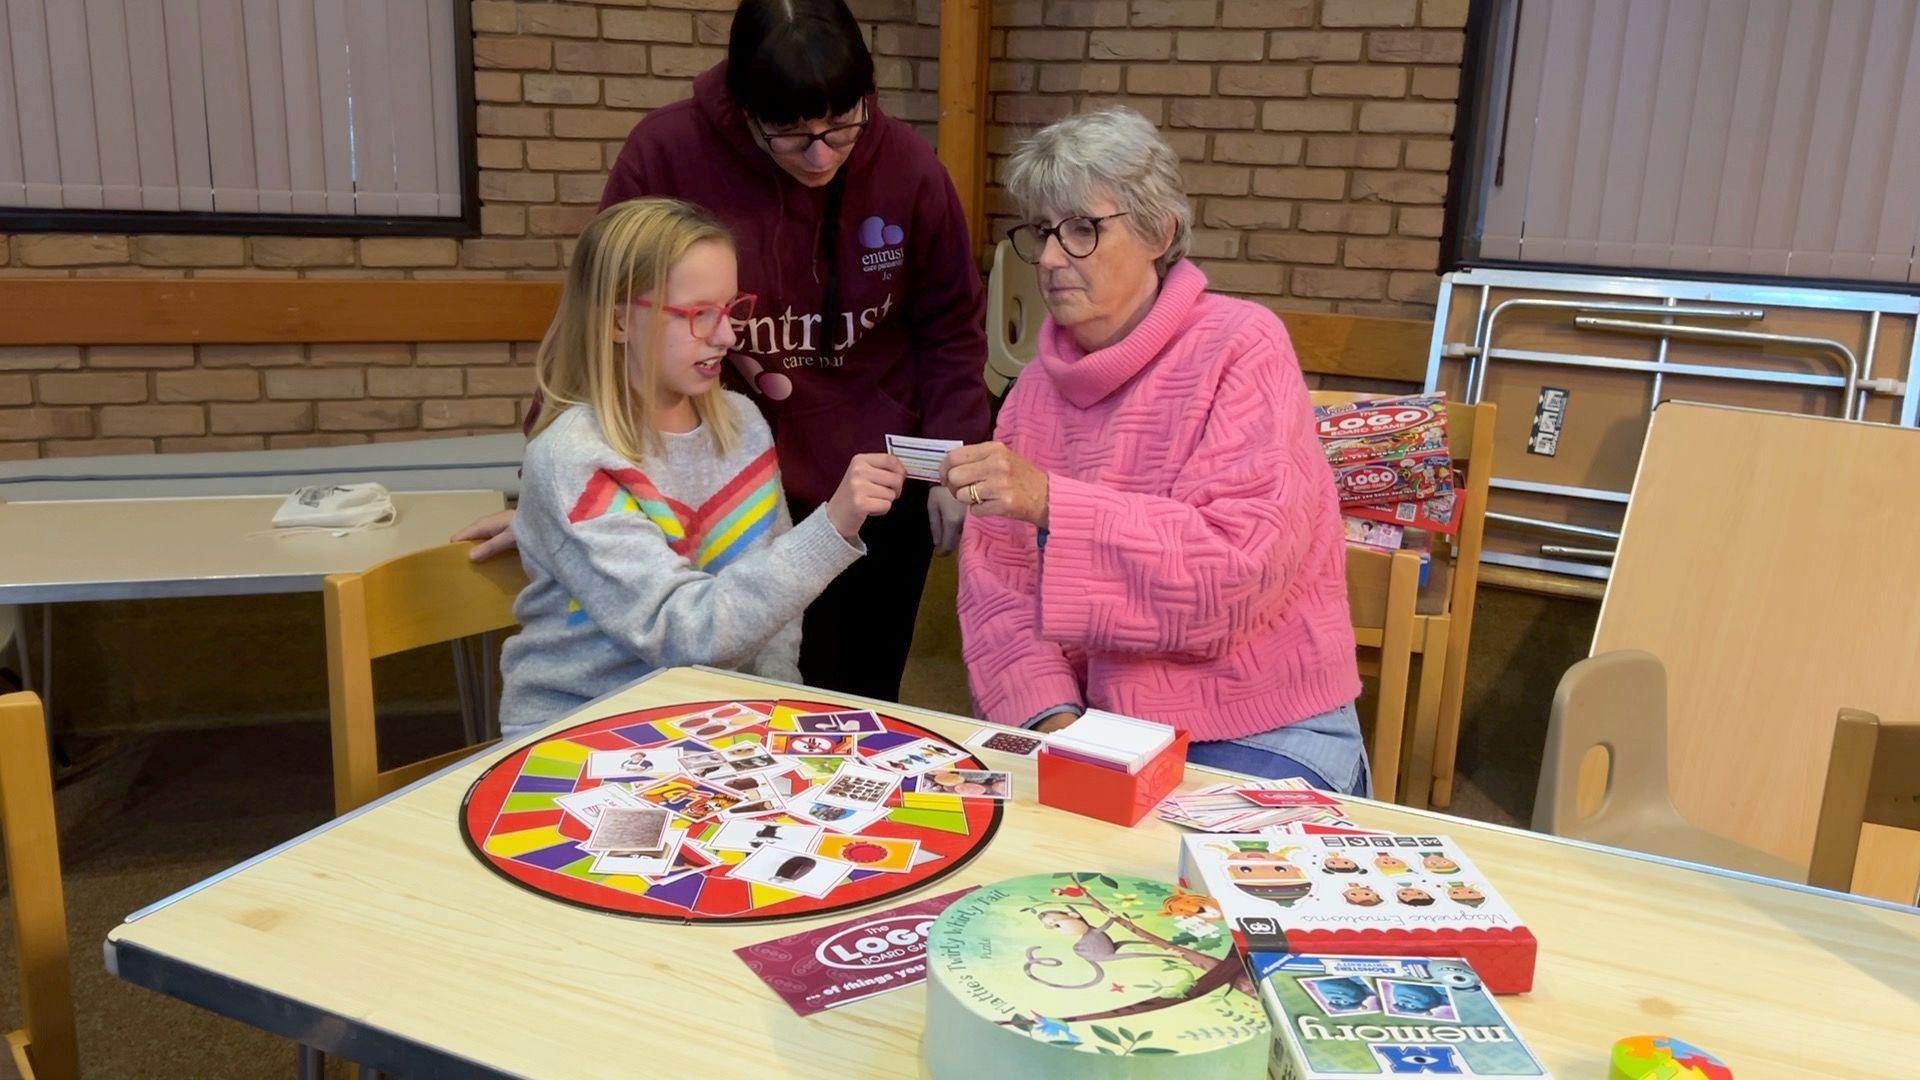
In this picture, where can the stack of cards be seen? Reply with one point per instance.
(922, 457)
(1256, 806)
(1110, 740)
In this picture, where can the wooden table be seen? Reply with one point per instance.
(120, 549)
(379, 937)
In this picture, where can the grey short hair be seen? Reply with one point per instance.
(1114, 151)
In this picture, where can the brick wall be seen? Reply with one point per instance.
(1315, 134)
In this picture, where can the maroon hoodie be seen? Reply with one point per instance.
(909, 341)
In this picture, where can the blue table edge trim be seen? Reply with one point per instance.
(352, 1040)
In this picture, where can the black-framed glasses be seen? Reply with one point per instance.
(799, 142)
(1078, 236)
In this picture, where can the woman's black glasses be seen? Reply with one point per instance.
(1078, 236)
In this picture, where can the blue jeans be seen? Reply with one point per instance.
(1325, 751)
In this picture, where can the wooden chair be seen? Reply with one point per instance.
(1618, 701)
(1435, 740)
(1015, 309)
(45, 1049)
(425, 598)
(1382, 591)
(1873, 778)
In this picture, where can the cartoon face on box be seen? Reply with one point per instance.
(1268, 876)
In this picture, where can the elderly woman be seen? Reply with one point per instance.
(1156, 530)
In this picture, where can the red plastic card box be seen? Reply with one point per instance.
(1112, 794)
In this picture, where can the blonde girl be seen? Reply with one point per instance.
(651, 521)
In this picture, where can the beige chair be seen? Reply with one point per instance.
(1618, 701)
(45, 1048)
(1382, 591)
(1873, 778)
(1014, 311)
(426, 598)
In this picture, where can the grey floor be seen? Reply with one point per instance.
(158, 810)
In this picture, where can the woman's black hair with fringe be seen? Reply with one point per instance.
(795, 60)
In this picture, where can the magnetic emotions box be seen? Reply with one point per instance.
(1380, 895)
(1088, 975)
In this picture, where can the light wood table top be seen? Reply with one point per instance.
(120, 549)
(381, 938)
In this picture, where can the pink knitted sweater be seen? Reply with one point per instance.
(1194, 571)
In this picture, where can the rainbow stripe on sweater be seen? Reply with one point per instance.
(711, 536)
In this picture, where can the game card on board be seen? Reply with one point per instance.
(796, 871)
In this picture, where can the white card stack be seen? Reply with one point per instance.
(1110, 740)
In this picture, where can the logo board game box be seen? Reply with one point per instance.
(1349, 1017)
(1377, 894)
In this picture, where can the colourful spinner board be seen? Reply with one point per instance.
(514, 821)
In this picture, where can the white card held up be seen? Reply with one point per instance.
(922, 457)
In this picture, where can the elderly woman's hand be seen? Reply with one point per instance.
(989, 478)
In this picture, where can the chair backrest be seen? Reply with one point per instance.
(1381, 590)
(1618, 701)
(45, 1048)
(1873, 778)
(425, 598)
(1015, 309)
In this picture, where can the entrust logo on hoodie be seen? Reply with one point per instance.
(885, 244)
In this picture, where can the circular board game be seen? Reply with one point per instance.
(772, 810)
(1089, 976)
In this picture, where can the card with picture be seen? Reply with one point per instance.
(759, 791)
(796, 871)
(852, 722)
(634, 830)
(893, 854)
(856, 786)
(689, 798)
(805, 743)
(916, 757)
(721, 720)
(966, 783)
(841, 819)
(640, 864)
(1019, 743)
(633, 764)
(586, 806)
(754, 835)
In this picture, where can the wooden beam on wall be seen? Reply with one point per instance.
(107, 311)
(148, 311)
(962, 139)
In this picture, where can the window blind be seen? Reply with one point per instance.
(328, 107)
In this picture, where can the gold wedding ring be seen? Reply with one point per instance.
(973, 493)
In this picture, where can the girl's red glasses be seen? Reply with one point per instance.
(704, 319)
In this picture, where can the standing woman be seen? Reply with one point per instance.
(870, 312)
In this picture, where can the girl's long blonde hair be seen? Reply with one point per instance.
(625, 252)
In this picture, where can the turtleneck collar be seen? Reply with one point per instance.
(1085, 378)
